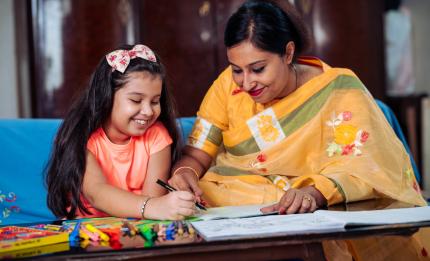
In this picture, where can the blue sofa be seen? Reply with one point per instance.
(25, 146)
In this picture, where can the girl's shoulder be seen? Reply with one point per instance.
(157, 126)
(96, 135)
(155, 138)
(156, 130)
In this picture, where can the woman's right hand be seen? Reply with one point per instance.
(185, 173)
(186, 180)
(174, 205)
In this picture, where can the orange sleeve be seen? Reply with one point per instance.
(158, 138)
(91, 144)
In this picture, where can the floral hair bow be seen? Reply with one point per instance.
(119, 59)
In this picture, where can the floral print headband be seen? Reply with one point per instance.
(119, 59)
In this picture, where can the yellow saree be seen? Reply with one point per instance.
(329, 133)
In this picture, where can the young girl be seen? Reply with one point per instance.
(118, 138)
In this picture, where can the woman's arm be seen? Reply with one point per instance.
(187, 171)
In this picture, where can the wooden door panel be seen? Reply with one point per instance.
(182, 33)
(69, 39)
(349, 34)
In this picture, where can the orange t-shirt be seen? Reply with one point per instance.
(125, 166)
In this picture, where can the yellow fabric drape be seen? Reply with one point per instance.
(329, 133)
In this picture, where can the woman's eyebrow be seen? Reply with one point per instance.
(251, 64)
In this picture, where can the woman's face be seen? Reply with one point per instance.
(265, 76)
(136, 106)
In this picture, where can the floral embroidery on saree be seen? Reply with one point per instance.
(409, 175)
(266, 129)
(258, 163)
(268, 132)
(347, 138)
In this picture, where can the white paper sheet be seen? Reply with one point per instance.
(233, 212)
(317, 222)
(265, 226)
(378, 217)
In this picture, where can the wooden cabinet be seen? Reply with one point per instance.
(68, 40)
(70, 37)
(188, 35)
(349, 34)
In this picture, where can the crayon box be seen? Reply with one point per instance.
(15, 238)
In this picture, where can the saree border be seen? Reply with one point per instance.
(300, 116)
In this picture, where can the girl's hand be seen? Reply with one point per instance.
(186, 180)
(302, 200)
(175, 205)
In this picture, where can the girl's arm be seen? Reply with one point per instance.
(158, 168)
(121, 203)
(105, 197)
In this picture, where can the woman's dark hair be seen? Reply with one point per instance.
(66, 168)
(268, 27)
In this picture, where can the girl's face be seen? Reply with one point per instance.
(136, 106)
(265, 76)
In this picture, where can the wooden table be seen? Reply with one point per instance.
(306, 247)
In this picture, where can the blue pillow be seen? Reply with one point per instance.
(186, 125)
(25, 150)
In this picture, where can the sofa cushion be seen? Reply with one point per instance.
(25, 147)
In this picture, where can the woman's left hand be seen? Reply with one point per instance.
(302, 200)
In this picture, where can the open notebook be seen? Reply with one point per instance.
(232, 212)
(234, 226)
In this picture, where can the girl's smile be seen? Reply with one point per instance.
(141, 122)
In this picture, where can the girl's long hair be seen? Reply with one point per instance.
(66, 167)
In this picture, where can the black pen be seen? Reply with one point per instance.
(170, 188)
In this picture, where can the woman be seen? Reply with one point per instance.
(289, 130)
